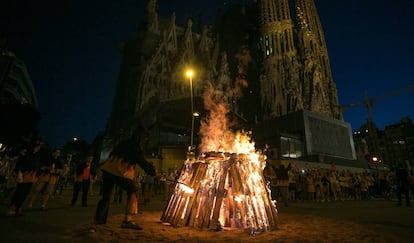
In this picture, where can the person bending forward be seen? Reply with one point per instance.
(119, 169)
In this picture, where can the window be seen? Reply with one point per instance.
(291, 147)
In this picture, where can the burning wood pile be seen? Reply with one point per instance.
(222, 190)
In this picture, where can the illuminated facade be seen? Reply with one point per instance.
(296, 71)
(288, 71)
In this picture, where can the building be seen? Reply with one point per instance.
(18, 101)
(374, 153)
(399, 140)
(15, 83)
(267, 64)
(296, 71)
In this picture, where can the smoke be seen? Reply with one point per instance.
(243, 58)
(216, 127)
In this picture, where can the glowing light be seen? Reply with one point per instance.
(238, 199)
(186, 189)
(189, 73)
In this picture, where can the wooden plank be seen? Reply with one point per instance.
(197, 205)
(172, 204)
(198, 178)
(226, 181)
(220, 193)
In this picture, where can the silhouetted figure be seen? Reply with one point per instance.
(283, 183)
(25, 172)
(403, 184)
(82, 181)
(119, 169)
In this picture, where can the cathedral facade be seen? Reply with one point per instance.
(281, 41)
(296, 72)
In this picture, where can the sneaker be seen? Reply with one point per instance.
(130, 225)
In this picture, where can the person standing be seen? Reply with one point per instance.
(25, 172)
(42, 184)
(64, 176)
(119, 169)
(82, 181)
(403, 184)
(169, 183)
(283, 182)
(55, 173)
(50, 168)
(149, 182)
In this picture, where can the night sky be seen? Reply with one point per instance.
(70, 49)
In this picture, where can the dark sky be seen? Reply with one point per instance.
(70, 49)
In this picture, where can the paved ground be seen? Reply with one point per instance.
(59, 223)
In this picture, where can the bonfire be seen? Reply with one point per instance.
(223, 187)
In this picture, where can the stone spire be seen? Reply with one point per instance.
(152, 16)
(280, 85)
(319, 90)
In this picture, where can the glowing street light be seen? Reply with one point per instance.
(189, 73)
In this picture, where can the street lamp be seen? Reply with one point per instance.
(189, 73)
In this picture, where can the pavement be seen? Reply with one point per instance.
(61, 220)
(55, 224)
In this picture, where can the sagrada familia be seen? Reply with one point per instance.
(281, 48)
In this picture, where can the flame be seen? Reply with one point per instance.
(217, 136)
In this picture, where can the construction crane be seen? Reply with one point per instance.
(368, 103)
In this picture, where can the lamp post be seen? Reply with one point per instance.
(190, 74)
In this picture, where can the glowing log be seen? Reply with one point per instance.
(222, 190)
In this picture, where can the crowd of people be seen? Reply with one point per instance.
(292, 184)
(36, 174)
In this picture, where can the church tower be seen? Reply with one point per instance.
(318, 89)
(280, 83)
(289, 89)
